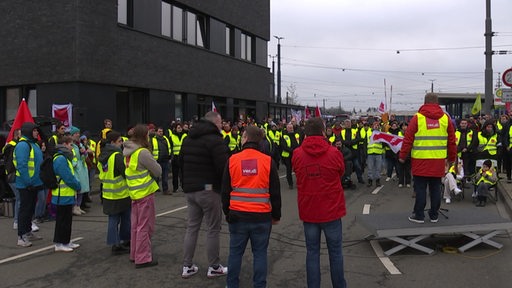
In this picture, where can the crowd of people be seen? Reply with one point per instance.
(231, 167)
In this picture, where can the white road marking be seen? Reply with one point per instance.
(366, 209)
(377, 190)
(73, 240)
(33, 252)
(383, 259)
(378, 250)
(171, 211)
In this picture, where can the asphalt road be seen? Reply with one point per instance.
(93, 266)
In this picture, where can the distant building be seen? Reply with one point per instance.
(136, 61)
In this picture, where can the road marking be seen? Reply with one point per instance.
(73, 240)
(377, 190)
(366, 209)
(33, 252)
(171, 211)
(383, 259)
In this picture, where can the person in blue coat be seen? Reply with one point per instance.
(63, 197)
(27, 159)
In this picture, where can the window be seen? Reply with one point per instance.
(230, 47)
(177, 23)
(166, 19)
(246, 47)
(191, 28)
(125, 12)
(201, 31)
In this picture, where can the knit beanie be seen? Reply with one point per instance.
(74, 130)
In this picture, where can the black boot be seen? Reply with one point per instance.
(377, 183)
(369, 183)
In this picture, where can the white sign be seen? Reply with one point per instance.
(507, 95)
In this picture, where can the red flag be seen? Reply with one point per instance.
(23, 115)
(318, 113)
(307, 112)
(214, 109)
(382, 107)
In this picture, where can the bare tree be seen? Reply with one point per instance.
(292, 95)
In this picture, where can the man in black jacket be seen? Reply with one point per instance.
(203, 157)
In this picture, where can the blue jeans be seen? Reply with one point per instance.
(119, 226)
(374, 162)
(333, 237)
(420, 187)
(239, 234)
(41, 203)
(17, 201)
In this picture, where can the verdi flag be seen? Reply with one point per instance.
(477, 106)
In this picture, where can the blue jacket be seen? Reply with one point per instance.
(22, 151)
(61, 168)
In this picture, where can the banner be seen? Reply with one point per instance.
(23, 115)
(64, 113)
(393, 141)
(297, 115)
(307, 112)
(214, 108)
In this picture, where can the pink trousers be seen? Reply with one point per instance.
(143, 225)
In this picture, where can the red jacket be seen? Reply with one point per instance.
(318, 167)
(428, 167)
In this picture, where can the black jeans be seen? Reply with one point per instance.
(288, 163)
(177, 173)
(28, 199)
(63, 223)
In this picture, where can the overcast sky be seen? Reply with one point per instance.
(342, 50)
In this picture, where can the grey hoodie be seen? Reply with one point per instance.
(146, 160)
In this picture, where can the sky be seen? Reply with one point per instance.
(345, 51)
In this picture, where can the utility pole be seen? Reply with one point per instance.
(279, 100)
(432, 85)
(273, 78)
(489, 99)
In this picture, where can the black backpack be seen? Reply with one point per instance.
(8, 157)
(47, 174)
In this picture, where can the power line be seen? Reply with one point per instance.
(395, 50)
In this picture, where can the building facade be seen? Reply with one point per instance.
(136, 61)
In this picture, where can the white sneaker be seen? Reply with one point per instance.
(408, 185)
(189, 271)
(15, 226)
(34, 227)
(457, 190)
(220, 271)
(73, 245)
(400, 185)
(59, 247)
(76, 211)
(81, 211)
(23, 241)
(388, 179)
(448, 201)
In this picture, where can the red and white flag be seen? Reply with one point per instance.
(64, 113)
(214, 108)
(307, 112)
(23, 115)
(382, 107)
(393, 141)
(318, 113)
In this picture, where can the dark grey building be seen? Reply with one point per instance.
(135, 61)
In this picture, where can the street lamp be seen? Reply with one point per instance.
(278, 68)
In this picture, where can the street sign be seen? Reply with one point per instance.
(507, 77)
(507, 95)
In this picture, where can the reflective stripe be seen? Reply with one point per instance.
(144, 185)
(138, 176)
(250, 190)
(250, 199)
(429, 147)
(430, 137)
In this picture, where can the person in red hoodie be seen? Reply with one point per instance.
(430, 138)
(319, 167)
